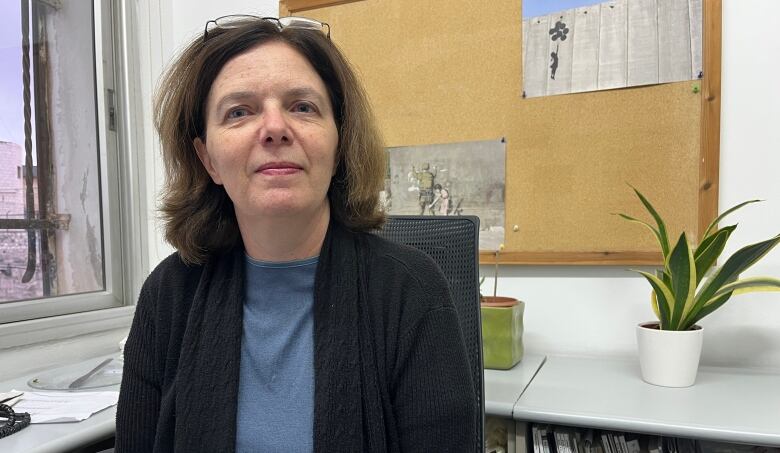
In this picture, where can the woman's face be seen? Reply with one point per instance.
(271, 137)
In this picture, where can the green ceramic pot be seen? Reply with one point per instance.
(502, 332)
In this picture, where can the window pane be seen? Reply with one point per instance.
(53, 184)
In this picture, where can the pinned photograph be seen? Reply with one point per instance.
(572, 46)
(450, 179)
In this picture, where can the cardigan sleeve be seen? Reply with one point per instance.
(139, 397)
(434, 398)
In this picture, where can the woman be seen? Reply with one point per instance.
(281, 323)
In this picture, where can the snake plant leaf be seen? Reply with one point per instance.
(748, 285)
(682, 268)
(665, 298)
(699, 303)
(657, 234)
(697, 314)
(654, 304)
(709, 251)
(663, 238)
(735, 265)
(667, 280)
(664, 276)
(714, 223)
(706, 242)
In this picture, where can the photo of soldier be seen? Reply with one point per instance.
(425, 183)
(450, 179)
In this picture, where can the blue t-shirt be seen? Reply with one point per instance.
(276, 386)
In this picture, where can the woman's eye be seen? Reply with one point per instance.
(237, 113)
(304, 107)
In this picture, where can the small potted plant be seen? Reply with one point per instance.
(502, 327)
(689, 287)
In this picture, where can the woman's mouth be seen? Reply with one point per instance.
(279, 169)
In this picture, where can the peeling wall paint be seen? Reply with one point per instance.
(74, 138)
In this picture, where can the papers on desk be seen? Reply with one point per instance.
(59, 407)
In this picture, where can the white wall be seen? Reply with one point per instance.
(750, 160)
(192, 15)
(593, 310)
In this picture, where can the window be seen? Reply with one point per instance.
(66, 202)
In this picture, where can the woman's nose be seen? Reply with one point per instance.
(275, 129)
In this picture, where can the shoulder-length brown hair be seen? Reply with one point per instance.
(198, 215)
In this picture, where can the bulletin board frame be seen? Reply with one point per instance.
(707, 180)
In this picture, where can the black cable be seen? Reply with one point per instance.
(13, 422)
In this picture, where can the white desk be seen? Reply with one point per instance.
(58, 437)
(504, 387)
(725, 404)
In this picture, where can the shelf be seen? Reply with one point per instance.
(504, 387)
(725, 404)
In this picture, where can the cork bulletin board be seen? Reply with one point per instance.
(445, 71)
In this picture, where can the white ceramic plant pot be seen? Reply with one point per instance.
(669, 358)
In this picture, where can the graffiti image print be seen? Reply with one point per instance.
(425, 178)
(442, 203)
(558, 32)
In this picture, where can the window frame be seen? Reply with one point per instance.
(121, 181)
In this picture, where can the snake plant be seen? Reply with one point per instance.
(690, 286)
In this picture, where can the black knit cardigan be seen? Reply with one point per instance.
(391, 369)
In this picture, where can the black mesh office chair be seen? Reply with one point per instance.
(453, 243)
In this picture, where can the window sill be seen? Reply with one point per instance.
(28, 346)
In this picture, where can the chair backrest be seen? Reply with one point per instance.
(453, 243)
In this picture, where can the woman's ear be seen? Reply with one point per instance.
(205, 159)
